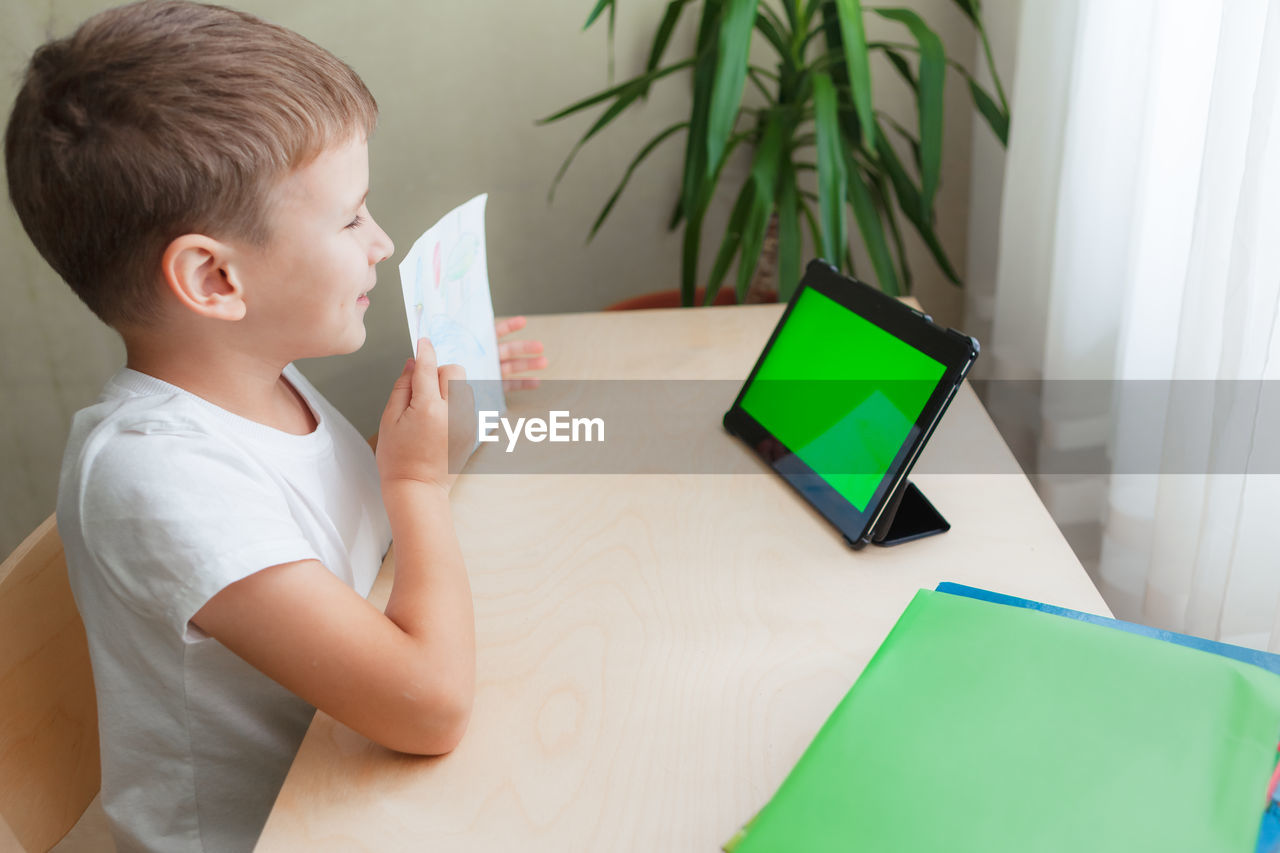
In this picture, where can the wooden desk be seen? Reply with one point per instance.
(655, 652)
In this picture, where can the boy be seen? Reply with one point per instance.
(199, 177)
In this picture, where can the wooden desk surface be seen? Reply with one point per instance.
(656, 651)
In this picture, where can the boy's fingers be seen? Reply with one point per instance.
(513, 366)
(400, 391)
(513, 348)
(424, 372)
(454, 372)
(509, 325)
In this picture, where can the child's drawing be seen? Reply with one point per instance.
(448, 335)
(461, 256)
(445, 280)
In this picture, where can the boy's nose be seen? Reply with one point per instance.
(382, 247)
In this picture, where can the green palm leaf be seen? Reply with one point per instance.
(878, 185)
(750, 215)
(719, 80)
(624, 101)
(663, 37)
(595, 13)
(764, 179)
(909, 201)
(931, 79)
(832, 175)
(872, 230)
(853, 37)
(899, 62)
(639, 158)
(773, 34)
(733, 48)
(792, 10)
(815, 232)
(695, 192)
(789, 242)
(732, 240)
(906, 137)
(614, 91)
(970, 9)
(996, 118)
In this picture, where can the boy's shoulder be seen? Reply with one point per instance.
(144, 441)
(132, 406)
(148, 444)
(157, 483)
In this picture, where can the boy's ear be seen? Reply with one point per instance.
(197, 271)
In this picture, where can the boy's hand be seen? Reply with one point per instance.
(413, 436)
(513, 356)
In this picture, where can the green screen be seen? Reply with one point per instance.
(841, 393)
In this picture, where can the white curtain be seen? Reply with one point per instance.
(1140, 249)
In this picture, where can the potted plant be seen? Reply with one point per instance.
(821, 147)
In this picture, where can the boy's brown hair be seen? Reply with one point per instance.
(160, 119)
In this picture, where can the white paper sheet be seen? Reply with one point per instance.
(445, 280)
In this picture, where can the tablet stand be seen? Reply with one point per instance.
(908, 516)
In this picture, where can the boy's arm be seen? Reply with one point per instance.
(405, 678)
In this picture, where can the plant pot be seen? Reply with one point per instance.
(764, 283)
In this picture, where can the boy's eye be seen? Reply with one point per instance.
(356, 223)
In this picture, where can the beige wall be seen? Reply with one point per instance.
(460, 86)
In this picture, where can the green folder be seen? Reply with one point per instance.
(983, 728)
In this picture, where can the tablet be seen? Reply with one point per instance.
(844, 397)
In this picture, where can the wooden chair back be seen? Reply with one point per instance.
(49, 765)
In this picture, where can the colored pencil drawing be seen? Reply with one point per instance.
(462, 256)
(445, 282)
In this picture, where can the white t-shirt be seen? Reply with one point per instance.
(165, 499)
